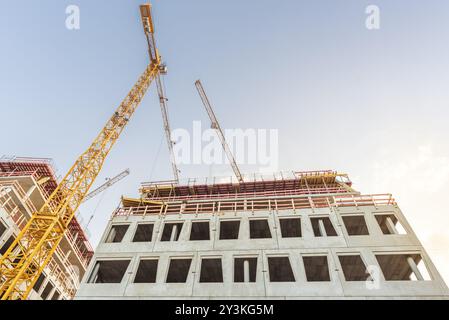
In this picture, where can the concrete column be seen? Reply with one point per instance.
(322, 228)
(29, 192)
(390, 226)
(52, 292)
(174, 232)
(77, 234)
(415, 269)
(246, 271)
(66, 257)
(111, 236)
(94, 274)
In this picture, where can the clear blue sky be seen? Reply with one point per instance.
(373, 104)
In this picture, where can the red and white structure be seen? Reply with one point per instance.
(25, 184)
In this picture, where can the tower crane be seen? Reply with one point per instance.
(106, 185)
(36, 243)
(215, 125)
(162, 102)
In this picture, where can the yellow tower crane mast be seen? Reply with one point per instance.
(33, 248)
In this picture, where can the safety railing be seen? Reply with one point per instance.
(66, 279)
(15, 173)
(14, 186)
(31, 173)
(364, 200)
(335, 188)
(285, 203)
(84, 253)
(251, 177)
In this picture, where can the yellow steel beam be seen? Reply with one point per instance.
(134, 201)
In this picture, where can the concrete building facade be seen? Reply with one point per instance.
(25, 184)
(302, 235)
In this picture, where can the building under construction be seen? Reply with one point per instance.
(288, 236)
(25, 184)
(293, 235)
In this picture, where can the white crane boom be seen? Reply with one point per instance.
(152, 51)
(106, 185)
(163, 103)
(216, 126)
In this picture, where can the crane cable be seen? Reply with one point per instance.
(151, 175)
(156, 157)
(95, 209)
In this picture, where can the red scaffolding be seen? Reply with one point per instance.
(305, 182)
(39, 169)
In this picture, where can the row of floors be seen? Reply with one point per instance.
(264, 273)
(261, 226)
(309, 253)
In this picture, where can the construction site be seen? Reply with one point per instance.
(285, 235)
(25, 185)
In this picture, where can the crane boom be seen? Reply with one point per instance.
(33, 248)
(216, 126)
(163, 104)
(152, 52)
(106, 185)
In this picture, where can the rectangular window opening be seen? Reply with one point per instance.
(211, 270)
(117, 233)
(403, 267)
(171, 231)
(2, 229)
(56, 295)
(389, 224)
(259, 229)
(245, 269)
(355, 225)
(7, 244)
(422, 268)
(354, 268)
(290, 228)
(38, 284)
(280, 269)
(229, 230)
(316, 268)
(144, 233)
(48, 288)
(323, 227)
(111, 271)
(147, 271)
(178, 270)
(200, 231)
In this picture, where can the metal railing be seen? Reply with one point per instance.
(250, 177)
(337, 188)
(269, 204)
